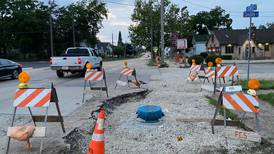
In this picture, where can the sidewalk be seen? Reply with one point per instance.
(187, 115)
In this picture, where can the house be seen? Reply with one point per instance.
(199, 44)
(104, 48)
(235, 43)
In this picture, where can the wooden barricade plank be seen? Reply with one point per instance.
(243, 135)
(38, 132)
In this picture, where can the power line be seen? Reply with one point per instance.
(203, 6)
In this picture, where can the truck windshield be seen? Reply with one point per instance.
(77, 52)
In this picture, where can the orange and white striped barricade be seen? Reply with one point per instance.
(93, 76)
(193, 72)
(222, 73)
(126, 72)
(232, 98)
(36, 98)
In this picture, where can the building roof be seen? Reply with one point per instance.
(238, 36)
(200, 38)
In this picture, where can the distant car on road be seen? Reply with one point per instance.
(9, 68)
(74, 60)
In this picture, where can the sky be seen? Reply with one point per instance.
(120, 12)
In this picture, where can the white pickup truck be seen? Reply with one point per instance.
(74, 61)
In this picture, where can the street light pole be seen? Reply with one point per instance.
(162, 32)
(50, 25)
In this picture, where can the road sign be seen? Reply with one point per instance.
(181, 43)
(251, 14)
(242, 135)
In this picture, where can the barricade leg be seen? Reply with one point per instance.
(12, 122)
(127, 82)
(32, 116)
(84, 91)
(105, 81)
(218, 105)
(45, 125)
(242, 117)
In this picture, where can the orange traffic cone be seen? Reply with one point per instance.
(97, 143)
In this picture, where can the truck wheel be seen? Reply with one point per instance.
(60, 74)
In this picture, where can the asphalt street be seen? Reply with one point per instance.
(69, 89)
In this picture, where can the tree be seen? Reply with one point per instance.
(24, 25)
(214, 19)
(120, 41)
(84, 17)
(146, 28)
(119, 51)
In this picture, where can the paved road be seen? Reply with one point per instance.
(69, 89)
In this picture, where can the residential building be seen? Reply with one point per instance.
(235, 43)
(104, 48)
(199, 44)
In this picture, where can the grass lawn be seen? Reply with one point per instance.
(265, 84)
(268, 98)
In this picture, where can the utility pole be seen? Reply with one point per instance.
(50, 25)
(73, 34)
(112, 38)
(151, 37)
(162, 32)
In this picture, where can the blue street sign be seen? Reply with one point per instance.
(251, 14)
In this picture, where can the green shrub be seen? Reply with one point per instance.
(211, 58)
(119, 51)
(199, 59)
(204, 54)
(227, 57)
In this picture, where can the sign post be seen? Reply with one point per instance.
(250, 12)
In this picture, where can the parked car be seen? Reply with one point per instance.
(9, 68)
(74, 61)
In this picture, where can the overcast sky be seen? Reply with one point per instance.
(119, 14)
